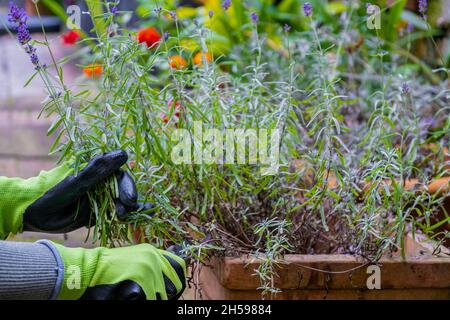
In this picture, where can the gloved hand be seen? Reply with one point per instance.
(56, 201)
(129, 273)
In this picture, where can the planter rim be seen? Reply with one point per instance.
(335, 272)
(334, 258)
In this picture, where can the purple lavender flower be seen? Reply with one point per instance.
(29, 49)
(23, 35)
(173, 15)
(307, 9)
(254, 17)
(210, 14)
(286, 27)
(157, 10)
(166, 36)
(18, 18)
(428, 123)
(114, 10)
(226, 4)
(34, 59)
(405, 88)
(423, 6)
(409, 27)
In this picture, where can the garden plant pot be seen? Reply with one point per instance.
(421, 275)
(334, 277)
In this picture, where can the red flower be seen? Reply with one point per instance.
(175, 113)
(70, 37)
(150, 36)
(177, 108)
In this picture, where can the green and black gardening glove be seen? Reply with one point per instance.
(139, 272)
(57, 201)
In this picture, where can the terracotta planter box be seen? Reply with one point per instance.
(419, 276)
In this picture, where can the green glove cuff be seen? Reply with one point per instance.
(143, 264)
(17, 194)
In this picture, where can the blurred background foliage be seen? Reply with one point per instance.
(232, 27)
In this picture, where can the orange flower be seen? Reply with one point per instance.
(150, 36)
(93, 70)
(198, 58)
(177, 62)
(70, 37)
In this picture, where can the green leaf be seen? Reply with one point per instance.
(30, 79)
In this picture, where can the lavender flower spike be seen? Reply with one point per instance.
(405, 88)
(23, 35)
(173, 15)
(409, 27)
(423, 7)
(226, 4)
(157, 10)
(18, 18)
(307, 9)
(254, 17)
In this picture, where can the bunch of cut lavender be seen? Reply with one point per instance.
(18, 18)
